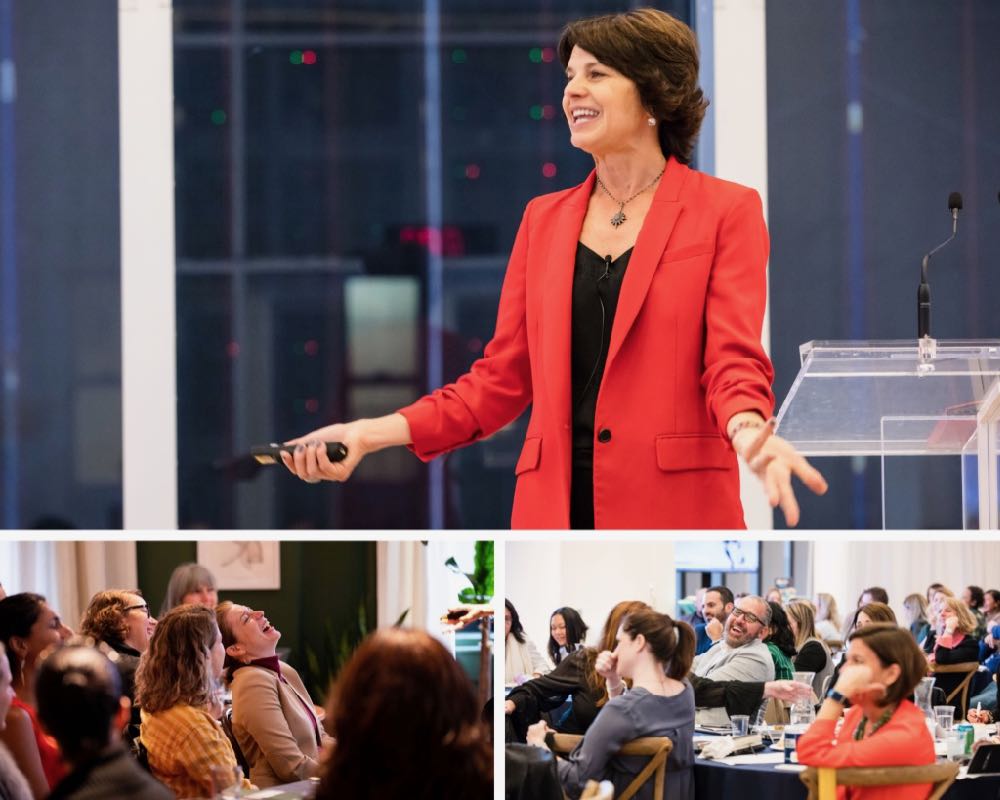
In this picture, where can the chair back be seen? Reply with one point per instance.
(227, 726)
(775, 712)
(656, 748)
(822, 782)
(960, 694)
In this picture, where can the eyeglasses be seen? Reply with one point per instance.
(739, 612)
(144, 608)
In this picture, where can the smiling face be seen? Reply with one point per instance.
(202, 596)
(254, 635)
(557, 627)
(745, 623)
(139, 624)
(714, 608)
(602, 107)
(48, 631)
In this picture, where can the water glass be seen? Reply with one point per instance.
(945, 716)
(741, 724)
(227, 781)
(954, 745)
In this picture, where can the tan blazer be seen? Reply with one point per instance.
(274, 725)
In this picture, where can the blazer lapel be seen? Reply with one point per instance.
(557, 300)
(649, 247)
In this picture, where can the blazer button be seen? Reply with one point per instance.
(604, 435)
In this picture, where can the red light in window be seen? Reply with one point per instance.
(308, 56)
(548, 54)
(549, 169)
(312, 405)
(475, 345)
(311, 347)
(472, 171)
(233, 349)
(548, 112)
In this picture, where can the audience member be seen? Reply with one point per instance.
(716, 608)
(567, 633)
(177, 686)
(574, 677)
(811, 652)
(402, 686)
(773, 595)
(742, 654)
(872, 613)
(120, 619)
(190, 583)
(955, 645)
(780, 641)
(12, 783)
(991, 607)
(523, 661)
(916, 614)
(274, 718)
(697, 617)
(655, 653)
(28, 628)
(882, 728)
(827, 618)
(874, 594)
(80, 703)
(974, 598)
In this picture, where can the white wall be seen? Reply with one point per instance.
(588, 576)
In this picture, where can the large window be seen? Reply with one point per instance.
(350, 176)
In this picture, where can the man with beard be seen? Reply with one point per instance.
(715, 608)
(741, 655)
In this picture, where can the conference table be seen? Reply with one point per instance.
(765, 776)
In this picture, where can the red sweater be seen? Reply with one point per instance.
(903, 741)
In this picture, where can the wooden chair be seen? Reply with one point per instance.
(227, 727)
(656, 748)
(775, 712)
(822, 782)
(962, 690)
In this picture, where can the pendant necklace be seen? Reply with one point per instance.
(619, 216)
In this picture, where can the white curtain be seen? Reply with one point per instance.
(845, 569)
(401, 583)
(67, 573)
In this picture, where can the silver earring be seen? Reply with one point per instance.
(651, 122)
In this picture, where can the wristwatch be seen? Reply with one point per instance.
(836, 696)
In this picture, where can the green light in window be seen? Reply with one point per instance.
(218, 117)
(535, 54)
(536, 112)
(295, 57)
(459, 56)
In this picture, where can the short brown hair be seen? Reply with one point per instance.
(671, 643)
(659, 54)
(894, 645)
(174, 669)
(876, 612)
(104, 619)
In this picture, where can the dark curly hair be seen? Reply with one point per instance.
(406, 682)
(780, 631)
(659, 54)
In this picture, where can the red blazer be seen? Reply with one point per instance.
(903, 741)
(685, 355)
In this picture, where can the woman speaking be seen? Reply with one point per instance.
(630, 318)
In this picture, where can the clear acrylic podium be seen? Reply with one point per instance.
(893, 398)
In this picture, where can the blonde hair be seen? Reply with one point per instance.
(826, 608)
(805, 621)
(916, 607)
(966, 620)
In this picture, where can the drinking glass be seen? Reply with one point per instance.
(740, 723)
(945, 716)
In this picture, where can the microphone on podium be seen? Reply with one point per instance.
(924, 290)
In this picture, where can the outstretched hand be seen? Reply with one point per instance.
(774, 461)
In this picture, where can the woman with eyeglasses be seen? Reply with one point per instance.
(28, 628)
(629, 320)
(882, 728)
(274, 718)
(120, 619)
(177, 686)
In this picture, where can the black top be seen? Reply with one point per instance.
(597, 283)
(547, 693)
(113, 774)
